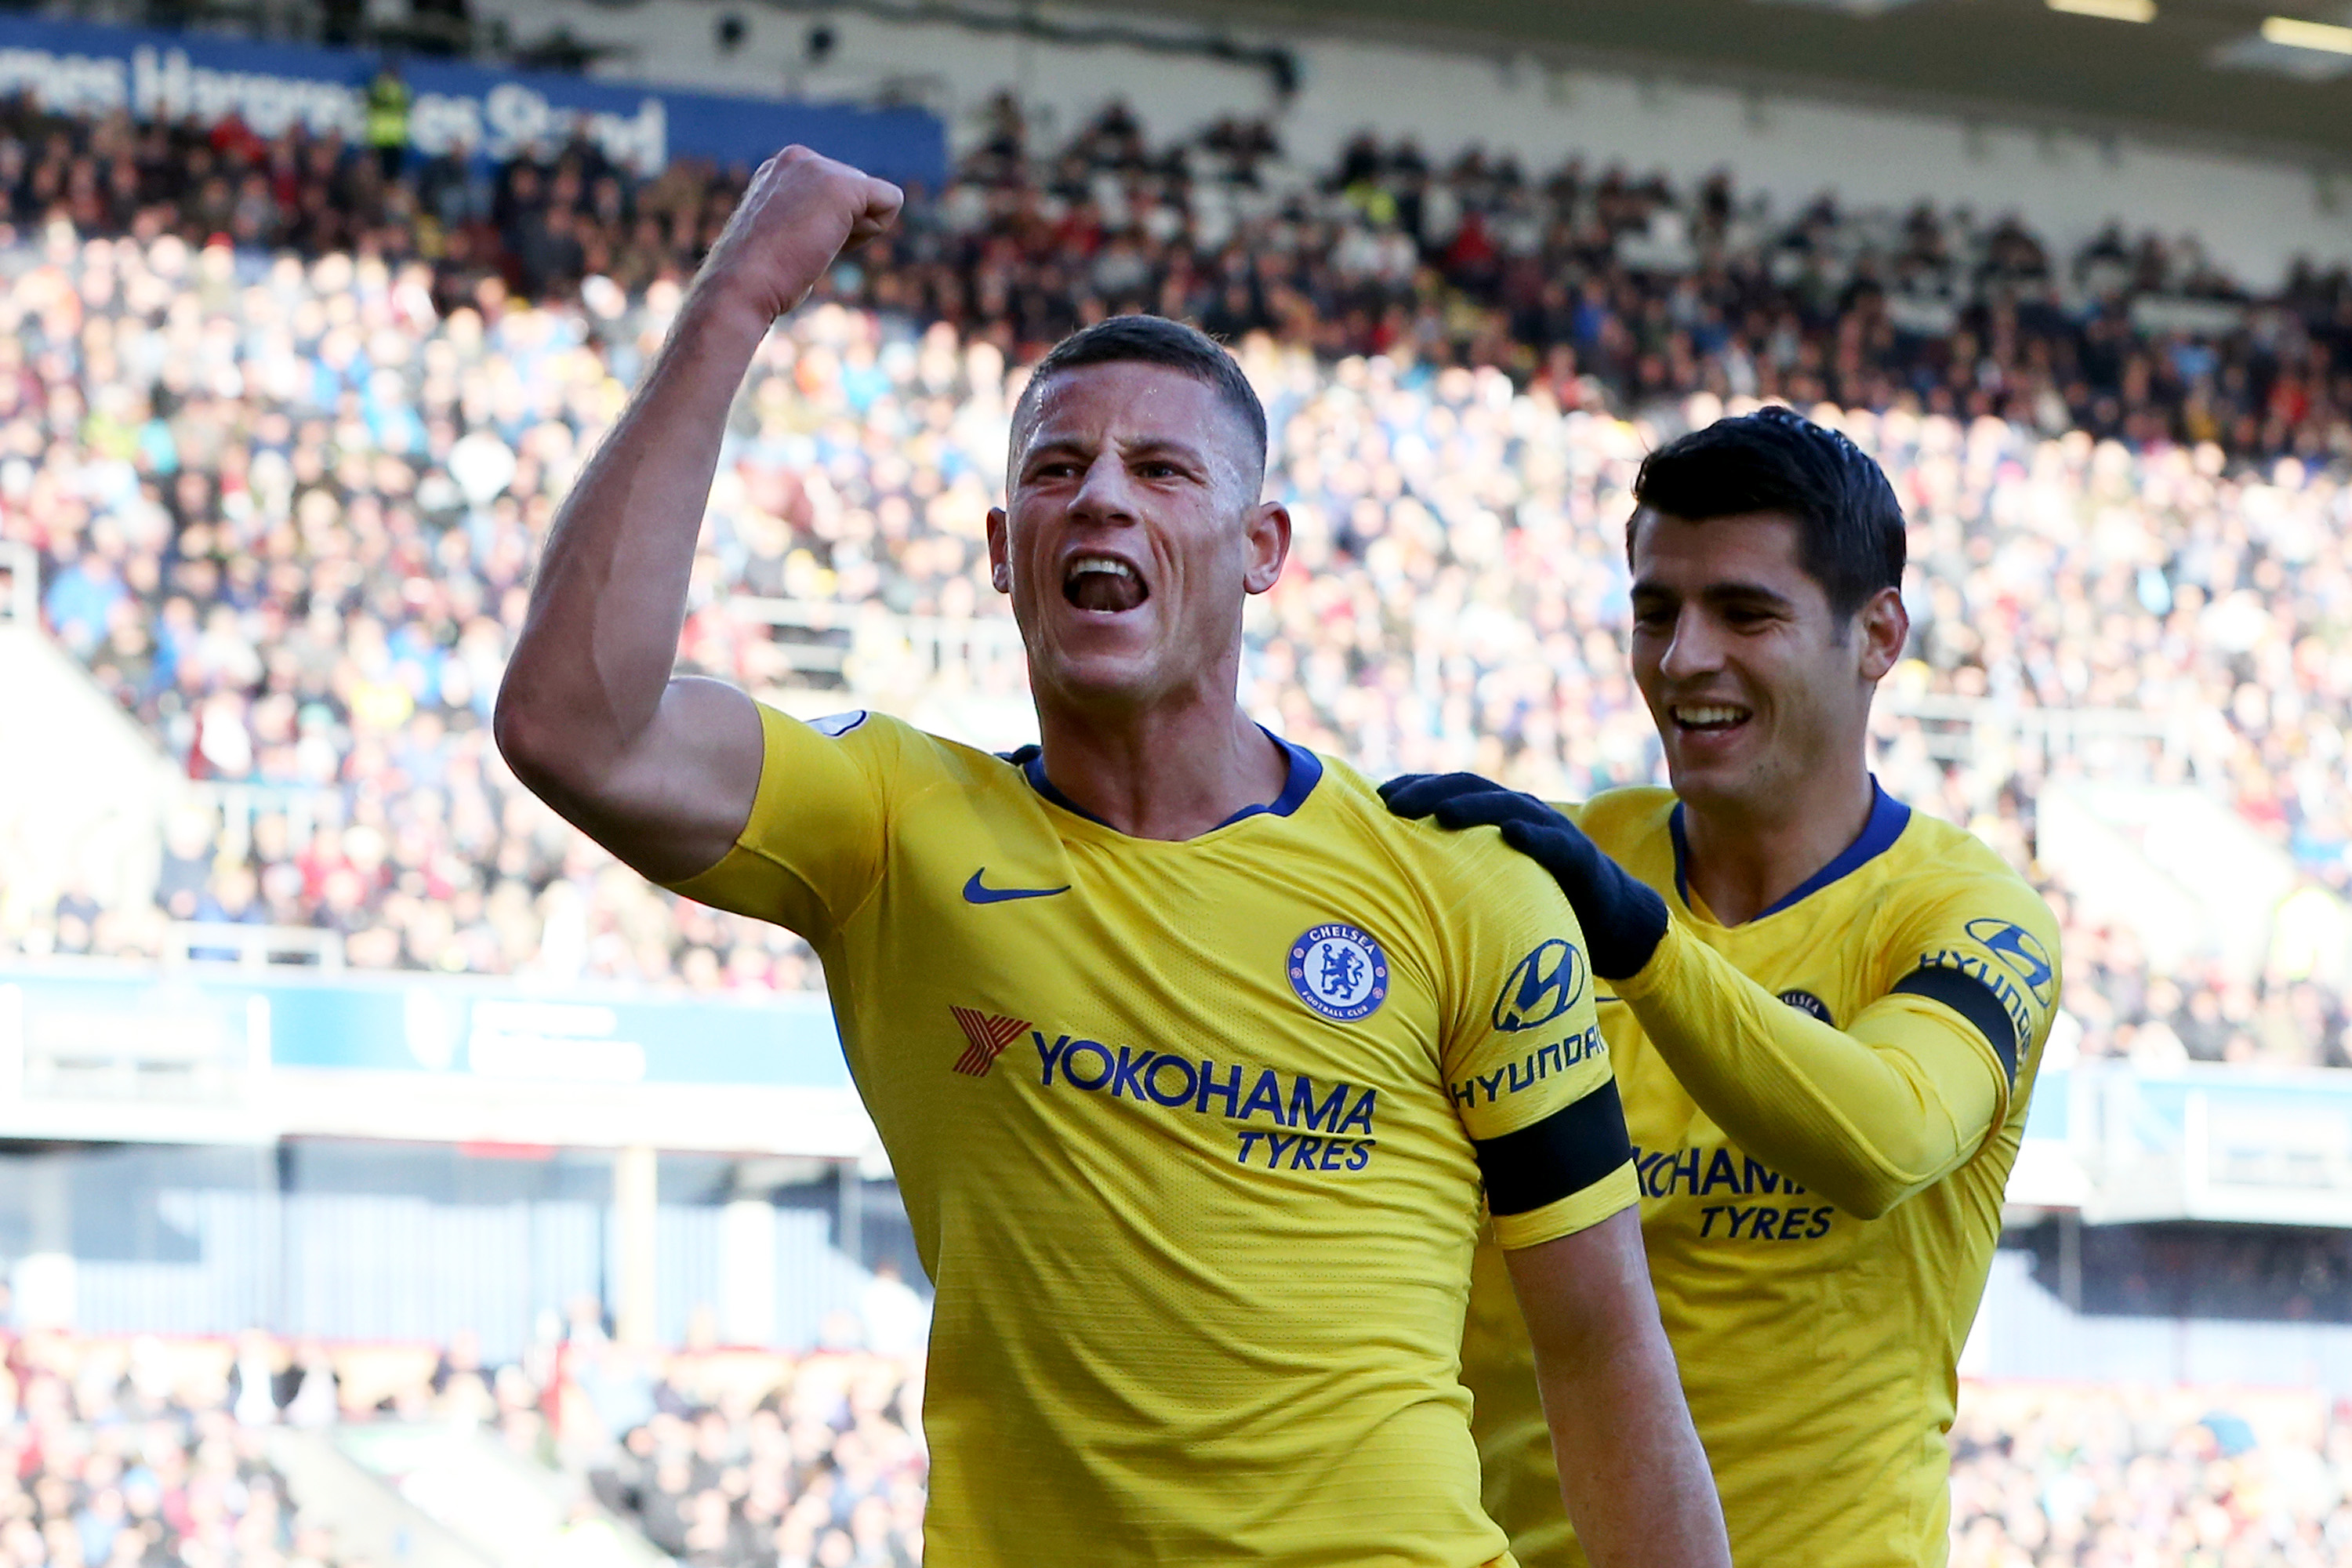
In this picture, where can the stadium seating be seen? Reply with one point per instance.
(1613, 289)
(139, 1452)
(2061, 1473)
(115, 1456)
(285, 437)
(127, 1452)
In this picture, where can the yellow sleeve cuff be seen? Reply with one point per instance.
(1580, 1210)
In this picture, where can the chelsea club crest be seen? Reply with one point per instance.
(1339, 971)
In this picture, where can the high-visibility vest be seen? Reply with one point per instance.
(387, 111)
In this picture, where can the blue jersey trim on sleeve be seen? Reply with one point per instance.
(1888, 818)
(1306, 773)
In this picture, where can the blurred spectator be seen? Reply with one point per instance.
(827, 1470)
(387, 120)
(117, 1455)
(757, 1459)
(2080, 1475)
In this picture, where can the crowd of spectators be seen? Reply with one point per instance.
(286, 494)
(153, 1454)
(825, 1469)
(1612, 289)
(1617, 289)
(112, 1458)
(539, 224)
(2115, 1478)
(285, 511)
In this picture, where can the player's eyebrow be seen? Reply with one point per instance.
(1166, 447)
(1749, 594)
(1055, 446)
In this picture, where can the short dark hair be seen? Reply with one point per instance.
(1152, 339)
(1850, 535)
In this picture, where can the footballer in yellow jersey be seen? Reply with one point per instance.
(1825, 1013)
(1193, 1062)
(1239, 1084)
(1818, 1335)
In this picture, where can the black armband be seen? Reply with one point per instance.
(1972, 999)
(1564, 1153)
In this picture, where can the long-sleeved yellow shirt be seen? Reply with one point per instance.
(1825, 1102)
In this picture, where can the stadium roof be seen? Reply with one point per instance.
(2196, 71)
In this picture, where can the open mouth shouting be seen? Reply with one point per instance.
(1102, 585)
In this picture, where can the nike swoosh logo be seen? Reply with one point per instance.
(977, 892)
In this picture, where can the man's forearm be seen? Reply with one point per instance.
(1867, 1117)
(1632, 1473)
(1637, 1486)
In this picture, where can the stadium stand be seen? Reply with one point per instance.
(280, 438)
(1570, 277)
(148, 1451)
(284, 500)
(145, 1451)
(115, 1456)
(2072, 1474)
(825, 1469)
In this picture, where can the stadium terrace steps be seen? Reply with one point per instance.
(2190, 875)
(90, 814)
(494, 1505)
(372, 1519)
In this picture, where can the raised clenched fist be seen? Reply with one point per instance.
(803, 210)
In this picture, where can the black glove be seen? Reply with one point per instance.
(1624, 921)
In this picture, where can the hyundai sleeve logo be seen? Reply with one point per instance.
(1544, 984)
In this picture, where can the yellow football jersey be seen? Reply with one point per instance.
(1819, 1349)
(1193, 1138)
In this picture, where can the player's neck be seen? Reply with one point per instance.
(1743, 857)
(1172, 770)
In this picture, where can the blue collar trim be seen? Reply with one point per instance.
(1888, 818)
(1306, 773)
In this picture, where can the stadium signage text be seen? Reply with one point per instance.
(85, 69)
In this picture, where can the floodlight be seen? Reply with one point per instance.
(2108, 10)
(2300, 35)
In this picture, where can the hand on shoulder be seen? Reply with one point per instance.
(1624, 921)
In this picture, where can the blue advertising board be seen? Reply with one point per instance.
(488, 1030)
(496, 114)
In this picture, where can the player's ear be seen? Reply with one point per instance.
(1883, 626)
(999, 556)
(1269, 545)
